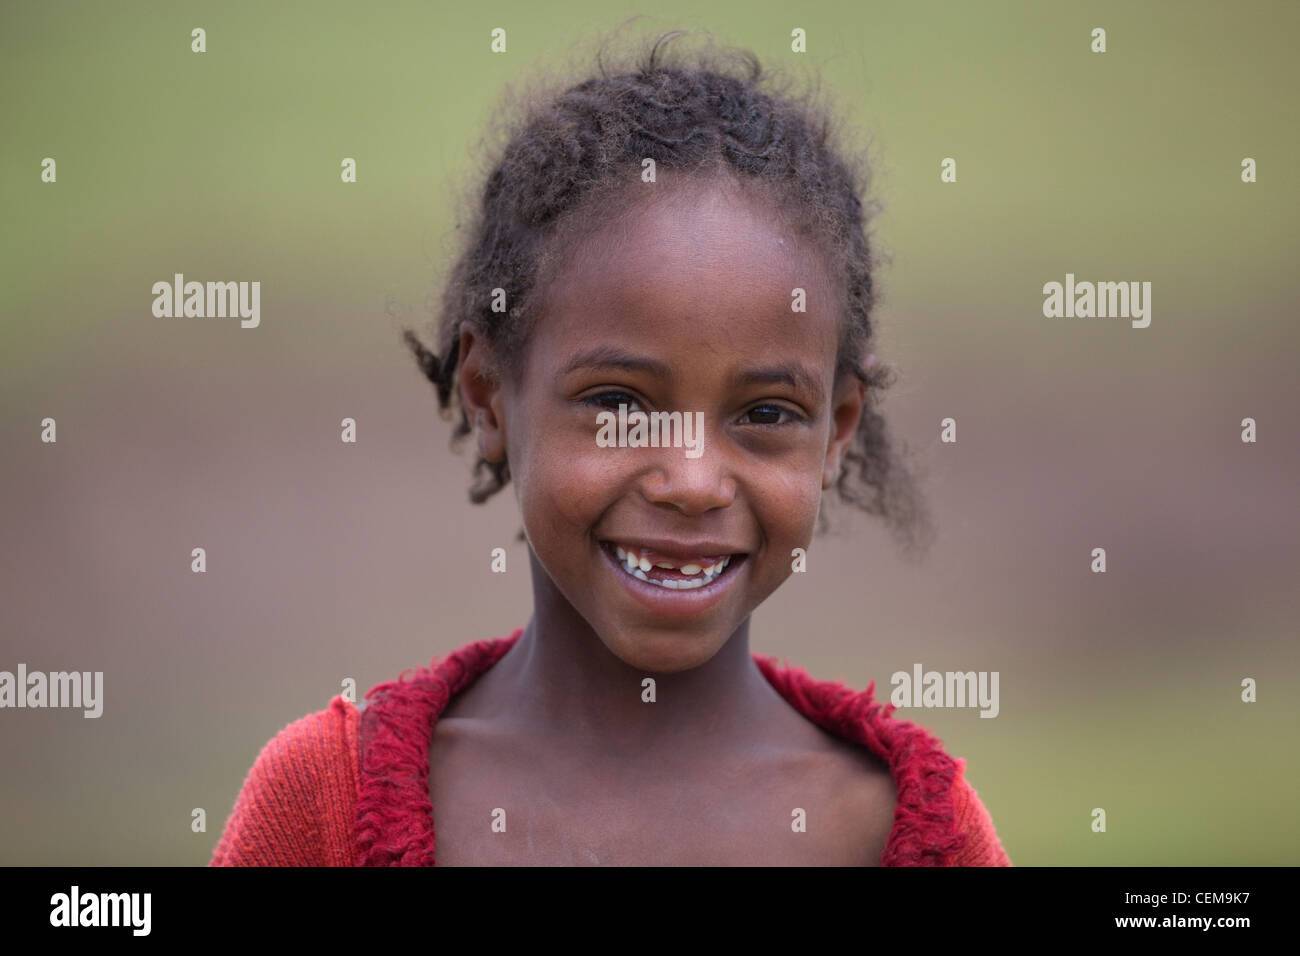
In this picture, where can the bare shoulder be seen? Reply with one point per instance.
(868, 796)
(854, 789)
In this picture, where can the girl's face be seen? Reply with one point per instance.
(686, 307)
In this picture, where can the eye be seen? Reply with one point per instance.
(769, 415)
(611, 400)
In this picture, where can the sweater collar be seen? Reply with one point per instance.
(395, 822)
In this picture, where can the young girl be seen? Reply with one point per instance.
(666, 241)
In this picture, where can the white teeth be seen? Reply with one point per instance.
(637, 566)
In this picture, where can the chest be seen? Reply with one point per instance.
(494, 805)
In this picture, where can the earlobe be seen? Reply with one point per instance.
(834, 468)
(846, 418)
(828, 476)
(480, 394)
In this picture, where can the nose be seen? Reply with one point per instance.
(691, 485)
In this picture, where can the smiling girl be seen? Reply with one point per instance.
(673, 240)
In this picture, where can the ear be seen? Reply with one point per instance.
(846, 412)
(480, 393)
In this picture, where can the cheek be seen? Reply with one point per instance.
(562, 485)
(786, 509)
(795, 525)
(787, 498)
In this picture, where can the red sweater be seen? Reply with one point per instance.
(313, 799)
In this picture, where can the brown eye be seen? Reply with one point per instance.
(765, 415)
(611, 400)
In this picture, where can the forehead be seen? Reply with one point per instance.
(700, 259)
(692, 229)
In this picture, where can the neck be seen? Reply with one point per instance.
(562, 681)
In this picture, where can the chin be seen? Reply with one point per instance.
(668, 653)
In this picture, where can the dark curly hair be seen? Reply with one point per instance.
(567, 161)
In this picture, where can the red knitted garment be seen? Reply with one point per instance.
(349, 787)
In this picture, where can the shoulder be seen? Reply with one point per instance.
(296, 805)
(867, 800)
(831, 724)
(938, 820)
(982, 846)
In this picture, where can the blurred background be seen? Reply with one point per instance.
(327, 560)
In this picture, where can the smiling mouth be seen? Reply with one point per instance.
(667, 572)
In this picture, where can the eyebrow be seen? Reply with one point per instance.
(797, 376)
(793, 374)
(611, 356)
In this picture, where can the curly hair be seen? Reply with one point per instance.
(567, 162)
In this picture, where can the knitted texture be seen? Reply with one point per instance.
(351, 787)
(296, 805)
(394, 815)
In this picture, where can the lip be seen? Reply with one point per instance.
(666, 602)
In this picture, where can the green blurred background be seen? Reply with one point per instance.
(328, 561)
